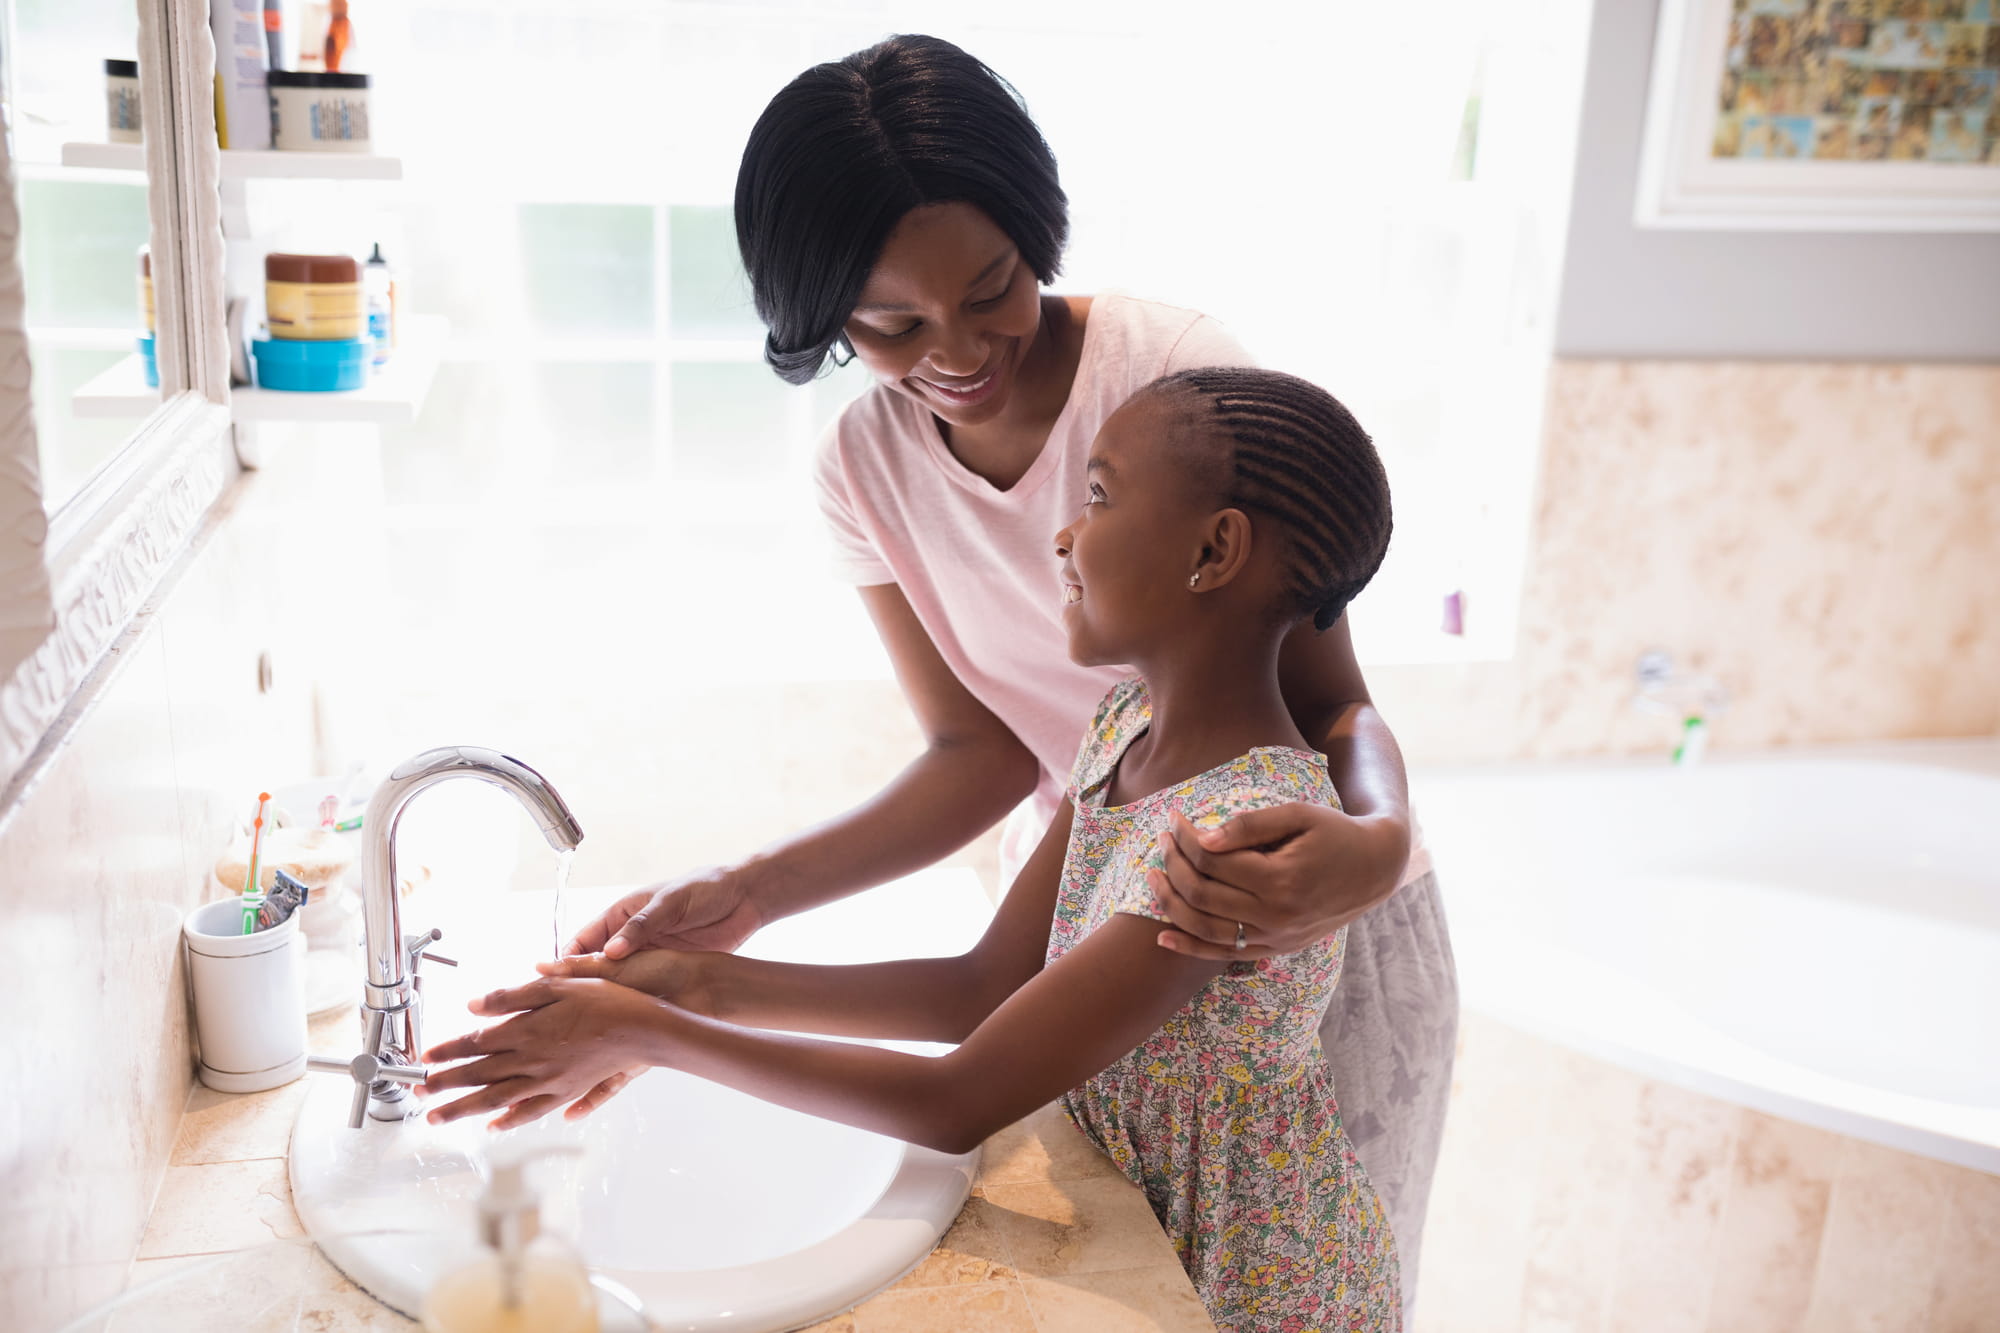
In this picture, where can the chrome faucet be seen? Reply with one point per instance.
(392, 999)
(1692, 699)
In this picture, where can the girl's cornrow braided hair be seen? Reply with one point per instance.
(1300, 457)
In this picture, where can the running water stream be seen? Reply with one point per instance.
(562, 883)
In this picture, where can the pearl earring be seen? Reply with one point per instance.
(1194, 578)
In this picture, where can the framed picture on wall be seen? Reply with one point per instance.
(1823, 115)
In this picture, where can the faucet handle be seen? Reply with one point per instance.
(369, 1068)
(1655, 669)
(365, 1068)
(414, 947)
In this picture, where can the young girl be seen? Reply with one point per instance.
(1224, 506)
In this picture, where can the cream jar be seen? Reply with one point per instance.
(319, 113)
(313, 298)
(121, 101)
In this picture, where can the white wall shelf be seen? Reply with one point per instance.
(393, 395)
(246, 163)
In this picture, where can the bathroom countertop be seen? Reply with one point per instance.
(1053, 1239)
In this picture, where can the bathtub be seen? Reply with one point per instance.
(1811, 933)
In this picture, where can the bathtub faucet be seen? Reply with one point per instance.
(392, 999)
(1692, 699)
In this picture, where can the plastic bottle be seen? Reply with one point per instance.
(339, 35)
(520, 1281)
(378, 287)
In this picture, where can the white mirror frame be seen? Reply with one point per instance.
(26, 613)
(112, 546)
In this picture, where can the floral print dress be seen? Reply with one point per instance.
(1226, 1115)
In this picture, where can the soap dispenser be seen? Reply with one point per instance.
(521, 1280)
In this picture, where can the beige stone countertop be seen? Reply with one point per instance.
(1052, 1240)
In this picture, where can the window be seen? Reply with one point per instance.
(1366, 199)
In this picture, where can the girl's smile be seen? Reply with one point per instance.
(1138, 528)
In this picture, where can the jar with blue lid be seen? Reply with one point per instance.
(320, 366)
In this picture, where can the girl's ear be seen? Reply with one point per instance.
(1224, 552)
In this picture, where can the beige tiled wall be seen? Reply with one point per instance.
(1821, 538)
(99, 860)
(1574, 1196)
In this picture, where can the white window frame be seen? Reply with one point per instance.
(114, 545)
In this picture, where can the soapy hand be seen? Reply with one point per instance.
(707, 909)
(568, 1037)
(1290, 874)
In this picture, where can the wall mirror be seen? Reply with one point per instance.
(96, 507)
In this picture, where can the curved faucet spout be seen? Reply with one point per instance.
(391, 993)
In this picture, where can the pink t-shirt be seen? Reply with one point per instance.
(977, 563)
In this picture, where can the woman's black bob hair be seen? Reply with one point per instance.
(847, 148)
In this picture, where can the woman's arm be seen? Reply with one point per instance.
(916, 999)
(1330, 703)
(973, 770)
(1295, 873)
(1072, 1019)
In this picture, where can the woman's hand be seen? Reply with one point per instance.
(671, 974)
(1290, 874)
(568, 1037)
(708, 909)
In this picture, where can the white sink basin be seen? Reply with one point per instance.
(717, 1210)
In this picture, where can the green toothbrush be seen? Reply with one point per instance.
(253, 892)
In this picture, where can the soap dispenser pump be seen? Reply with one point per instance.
(521, 1279)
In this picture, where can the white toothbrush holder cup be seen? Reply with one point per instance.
(249, 998)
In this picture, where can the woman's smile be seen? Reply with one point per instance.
(967, 392)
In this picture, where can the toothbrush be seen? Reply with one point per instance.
(253, 893)
(329, 808)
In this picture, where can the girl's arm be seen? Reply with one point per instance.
(917, 999)
(1295, 873)
(1074, 1019)
(1071, 1020)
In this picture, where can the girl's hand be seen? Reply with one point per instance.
(569, 1036)
(708, 909)
(1291, 874)
(667, 973)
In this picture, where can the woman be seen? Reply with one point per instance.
(899, 206)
